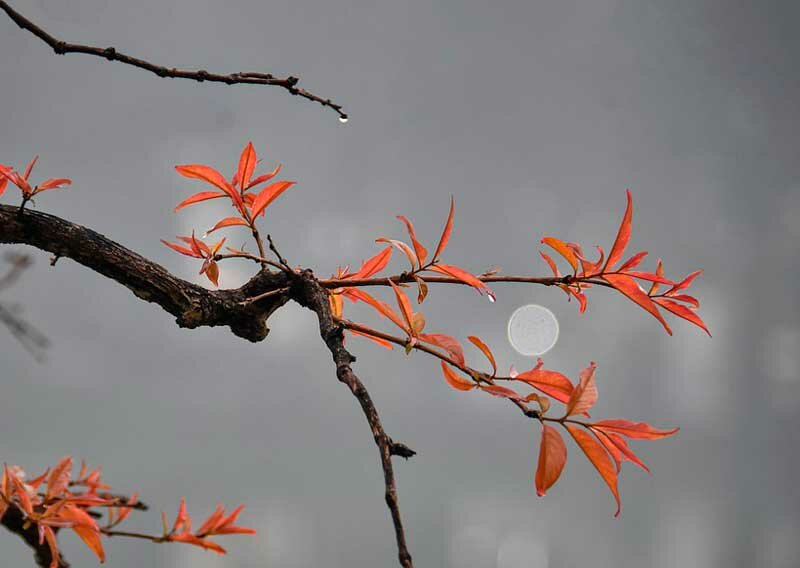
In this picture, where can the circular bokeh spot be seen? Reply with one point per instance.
(532, 330)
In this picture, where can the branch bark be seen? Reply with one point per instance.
(14, 521)
(201, 75)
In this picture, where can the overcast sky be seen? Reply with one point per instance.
(536, 116)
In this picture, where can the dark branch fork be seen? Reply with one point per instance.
(201, 75)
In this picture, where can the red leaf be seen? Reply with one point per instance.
(59, 478)
(685, 283)
(212, 176)
(404, 248)
(454, 380)
(612, 450)
(610, 439)
(561, 248)
(552, 459)
(448, 228)
(485, 350)
(182, 250)
(628, 286)
(405, 307)
(421, 252)
(383, 308)
(686, 298)
(3, 178)
(503, 392)
(447, 343)
(550, 383)
(189, 538)
(640, 430)
(464, 276)
(585, 394)
(591, 268)
(228, 222)
(660, 274)
(247, 165)
(374, 264)
(29, 168)
(53, 183)
(623, 236)
(198, 197)
(599, 458)
(212, 272)
(633, 261)
(656, 278)
(264, 177)
(268, 195)
(551, 263)
(683, 312)
(378, 340)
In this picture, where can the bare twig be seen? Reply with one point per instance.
(110, 53)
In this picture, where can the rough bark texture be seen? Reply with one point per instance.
(15, 522)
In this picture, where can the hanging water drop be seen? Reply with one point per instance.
(343, 119)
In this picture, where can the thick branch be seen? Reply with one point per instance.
(310, 294)
(14, 521)
(192, 305)
(110, 53)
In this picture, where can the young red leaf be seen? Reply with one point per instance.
(561, 248)
(447, 343)
(182, 250)
(374, 264)
(454, 380)
(3, 178)
(53, 183)
(448, 228)
(197, 198)
(585, 394)
(402, 247)
(628, 286)
(420, 250)
(683, 312)
(58, 480)
(640, 430)
(212, 272)
(263, 178)
(247, 165)
(660, 274)
(610, 439)
(502, 392)
(685, 283)
(378, 340)
(268, 195)
(612, 450)
(465, 277)
(551, 264)
(649, 276)
(382, 308)
(422, 289)
(552, 459)
(189, 538)
(212, 176)
(591, 268)
(633, 261)
(405, 307)
(599, 458)
(85, 527)
(485, 350)
(228, 222)
(691, 300)
(551, 383)
(29, 168)
(623, 236)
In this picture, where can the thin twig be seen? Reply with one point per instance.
(409, 278)
(281, 260)
(269, 294)
(110, 53)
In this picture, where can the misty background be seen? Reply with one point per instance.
(536, 116)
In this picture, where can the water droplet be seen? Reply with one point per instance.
(532, 330)
(343, 119)
(204, 235)
(492, 299)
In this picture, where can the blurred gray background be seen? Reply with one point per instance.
(536, 116)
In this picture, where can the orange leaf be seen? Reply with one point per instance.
(660, 274)
(465, 277)
(52, 544)
(247, 165)
(422, 291)
(612, 450)
(182, 250)
(550, 383)
(448, 228)
(585, 394)
(29, 168)
(337, 304)
(632, 262)
(623, 235)
(3, 178)
(383, 308)
(485, 350)
(628, 286)
(552, 459)
(685, 283)
(53, 183)
(268, 195)
(454, 380)
(264, 177)
(640, 430)
(189, 538)
(447, 343)
(561, 248)
(655, 278)
(197, 198)
(599, 458)
(374, 264)
(610, 439)
(421, 252)
(551, 264)
(228, 222)
(683, 312)
(212, 272)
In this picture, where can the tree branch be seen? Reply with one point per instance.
(313, 296)
(14, 521)
(192, 305)
(110, 53)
